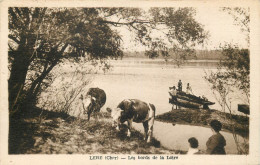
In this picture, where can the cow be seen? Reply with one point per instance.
(93, 101)
(134, 110)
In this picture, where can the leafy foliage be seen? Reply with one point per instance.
(233, 71)
(234, 68)
(182, 33)
(39, 38)
(241, 18)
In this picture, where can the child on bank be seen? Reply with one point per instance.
(194, 144)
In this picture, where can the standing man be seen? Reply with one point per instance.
(173, 94)
(188, 89)
(179, 86)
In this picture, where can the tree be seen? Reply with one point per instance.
(42, 35)
(39, 38)
(234, 69)
(233, 72)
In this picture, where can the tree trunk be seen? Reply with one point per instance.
(17, 78)
(36, 86)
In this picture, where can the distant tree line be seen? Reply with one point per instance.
(198, 54)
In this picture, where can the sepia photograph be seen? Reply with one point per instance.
(142, 81)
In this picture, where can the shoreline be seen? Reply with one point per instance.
(202, 117)
(48, 132)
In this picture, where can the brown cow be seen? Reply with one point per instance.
(93, 101)
(133, 110)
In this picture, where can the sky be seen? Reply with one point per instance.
(219, 24)
(221, 27)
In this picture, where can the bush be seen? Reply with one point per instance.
(70, 80)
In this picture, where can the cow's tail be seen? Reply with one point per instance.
(153, 108)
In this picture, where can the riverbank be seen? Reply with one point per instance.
(202, 117)
(45, 132)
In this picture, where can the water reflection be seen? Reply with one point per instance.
(149, 80)
(175, 136)
(151, 83)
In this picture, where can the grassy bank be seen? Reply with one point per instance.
(45, 132)
(201, 117)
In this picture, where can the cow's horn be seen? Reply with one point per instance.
(94, 98)
(119, 109)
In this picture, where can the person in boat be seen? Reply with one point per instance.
(179, 86)
(204, 98)
(188, 89)
(194, 144)
(217, 142)
(173, 94)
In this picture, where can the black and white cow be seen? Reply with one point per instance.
(133, 110)
(93, 101)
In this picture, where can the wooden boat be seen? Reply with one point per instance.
(243, 108)
(191, 101)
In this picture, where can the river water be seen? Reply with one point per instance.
(149, 80)
(176, 136)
